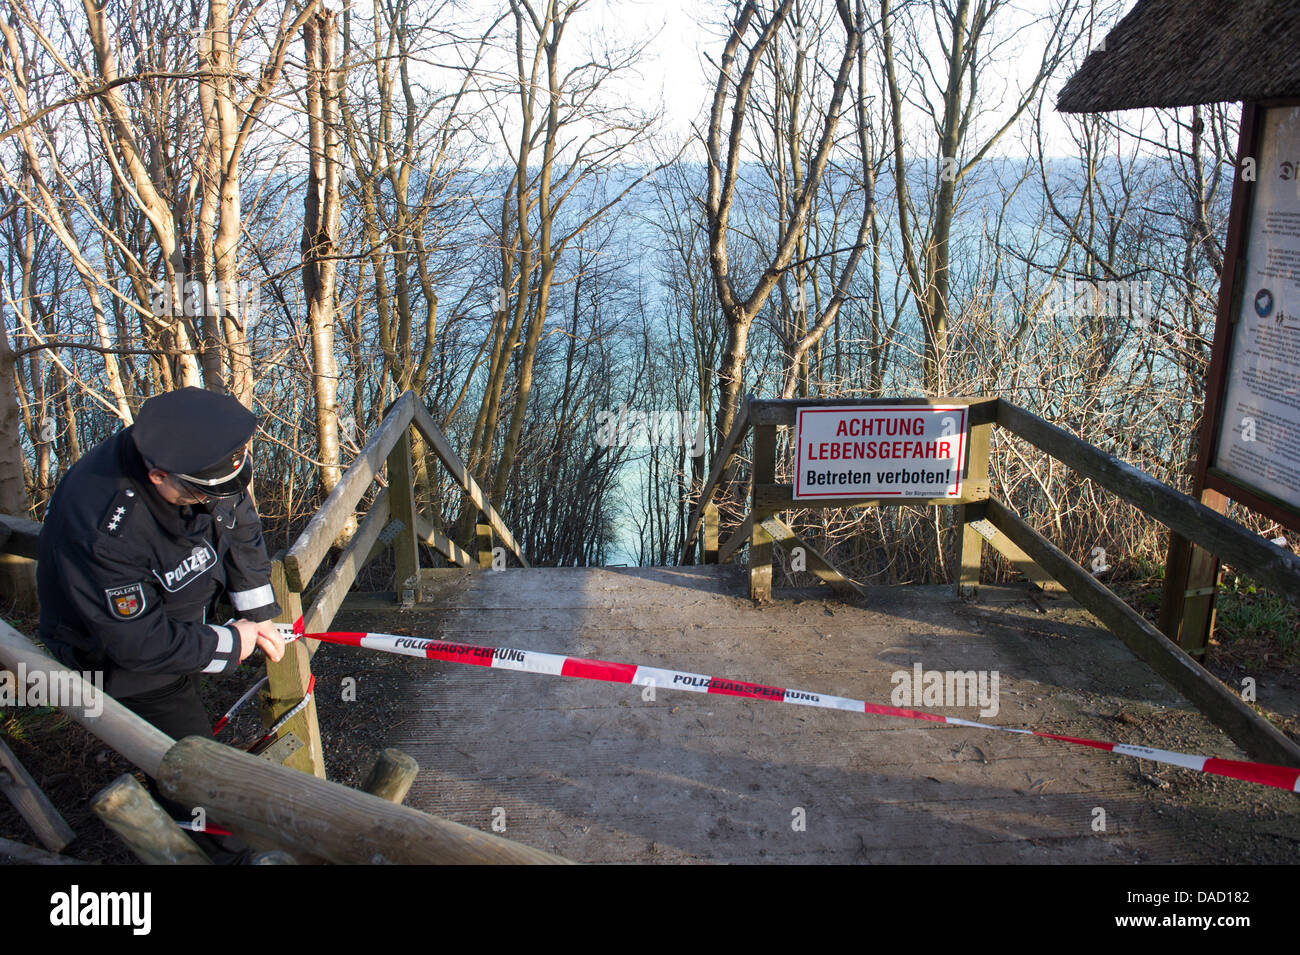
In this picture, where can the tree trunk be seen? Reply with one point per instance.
(320, 232)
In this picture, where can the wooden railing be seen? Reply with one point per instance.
(762, 527)
(392, 518)
(983, 519)
(19, 536)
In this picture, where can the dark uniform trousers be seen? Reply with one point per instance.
(127, 582)
(178, 711)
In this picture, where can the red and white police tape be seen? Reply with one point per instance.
(531, 661)
(279, 724)
(229, 714)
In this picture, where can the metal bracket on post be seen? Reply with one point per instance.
(407, 592)
(280, 749)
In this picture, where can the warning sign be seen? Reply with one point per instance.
(880, 451)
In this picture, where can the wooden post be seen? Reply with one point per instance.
(144, 826)
(32, 804)
(710, 533)
(1191, 585)
(484, 533)
(760, 541)
(391, 776)
(30, 855)
(1199, 599)
(1191, 571)
(970, 543)
(401, 501)
(18, 582)
(288, 684)
(19, 548)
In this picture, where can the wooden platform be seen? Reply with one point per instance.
(595, 772)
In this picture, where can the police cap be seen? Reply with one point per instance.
(199, 436)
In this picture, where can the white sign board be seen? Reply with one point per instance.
(880, 451)
(1259, 431)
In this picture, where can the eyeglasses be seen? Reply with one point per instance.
(196, 496)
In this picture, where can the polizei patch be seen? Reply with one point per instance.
(199, 561)
(126, 603)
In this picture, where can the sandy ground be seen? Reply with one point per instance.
(598, 773)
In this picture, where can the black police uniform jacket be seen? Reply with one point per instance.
(126, 580)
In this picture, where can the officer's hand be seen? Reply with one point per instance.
(253, 635)
(269, 639)
(247, 631)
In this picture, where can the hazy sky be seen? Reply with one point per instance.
(680, 32)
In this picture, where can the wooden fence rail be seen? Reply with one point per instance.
(1253, 733)
(20, 536)
(983, 519)
(768, 498)
(140, 742)
(393, 518)
(306, 553)
(1274, 567)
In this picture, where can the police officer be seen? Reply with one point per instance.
(140, 538)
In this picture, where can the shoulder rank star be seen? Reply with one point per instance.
(117, 512)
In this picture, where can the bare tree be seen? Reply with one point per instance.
(951, 101)
(759, 27)
(320, 231)
(187, 294)
(568, 138)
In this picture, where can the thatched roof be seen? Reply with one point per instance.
(1183, 52)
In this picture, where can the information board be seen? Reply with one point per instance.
(1259, 425)
(906, 451)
